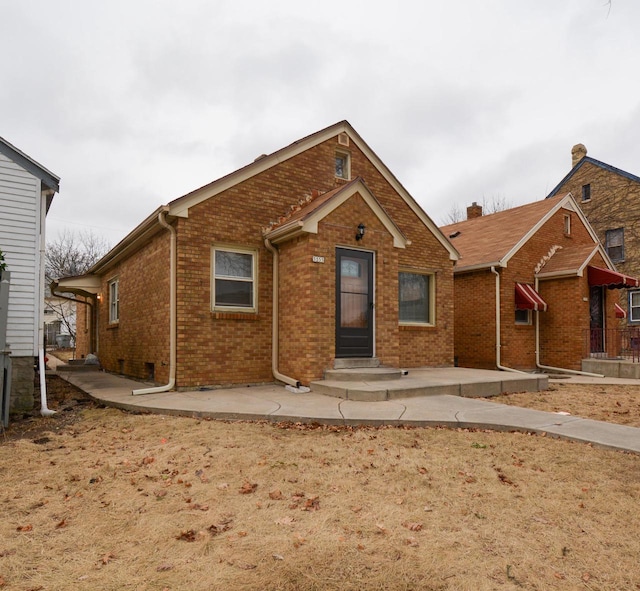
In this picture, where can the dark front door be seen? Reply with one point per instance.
(354, 303)
(596, 306)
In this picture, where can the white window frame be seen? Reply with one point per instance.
(114, 300)
(347, 164)
(431, 321)
(523, 322)
(633, 307)
(253, 280)
(567, 225)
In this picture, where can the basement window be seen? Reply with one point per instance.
(234, 279)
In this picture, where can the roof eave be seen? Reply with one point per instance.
(479, 267)
(131, 242)
(50, 180)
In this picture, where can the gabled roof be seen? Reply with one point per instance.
(306, 218)
(492, 240)
(180, 207)
(567, 262)
(603, 165)
(48, 179)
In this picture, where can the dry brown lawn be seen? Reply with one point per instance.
(611, 403)
(116, 501)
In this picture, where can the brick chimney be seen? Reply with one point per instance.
(578, 152)
(474, 211)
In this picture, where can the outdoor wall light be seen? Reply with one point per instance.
(361, 229)
(99, 296)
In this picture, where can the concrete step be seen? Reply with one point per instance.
(418, 384)
(363, 374)
(356, 362)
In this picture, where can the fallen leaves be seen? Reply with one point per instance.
(107, 558)
(248, 487)
(25, 528)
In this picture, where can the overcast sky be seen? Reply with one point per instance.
(134, 103)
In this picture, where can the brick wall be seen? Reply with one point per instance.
(218, 348)
(83, 329)
(139, 342)
(561, 327)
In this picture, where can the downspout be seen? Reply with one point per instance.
(274, 322)
(559, 369)
(44, 410)
(172, 312)
(498, 338)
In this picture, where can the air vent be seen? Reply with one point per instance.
(343, 139)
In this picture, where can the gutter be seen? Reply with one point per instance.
(498, 341)
(172, 311)
(274, 323)
(558, 369)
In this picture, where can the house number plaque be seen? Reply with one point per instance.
(317, 259)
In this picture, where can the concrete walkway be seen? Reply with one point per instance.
(275, 403)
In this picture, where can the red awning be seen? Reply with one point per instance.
(620, 313)
(610, 279)
(528, 298)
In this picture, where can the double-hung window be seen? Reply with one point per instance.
(114, 301)
(416, 298)
(234, 279)
(614, 242)
(634, 306)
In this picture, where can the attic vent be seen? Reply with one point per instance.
(343, 139)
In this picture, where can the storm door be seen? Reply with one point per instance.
(596, 307)
(354, 303)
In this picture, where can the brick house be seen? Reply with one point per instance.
(526, 283)
(610, 198)
(313, 253)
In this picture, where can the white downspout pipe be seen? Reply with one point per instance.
(45, 411)
(274, 322)
(172, 312)
(498, 320)
(548, 367)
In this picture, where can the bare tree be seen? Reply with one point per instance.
(70, 254)
(73, 253)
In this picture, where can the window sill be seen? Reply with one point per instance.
(218, 315)
(416, 326)
(113, 325)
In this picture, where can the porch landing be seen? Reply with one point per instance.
(377, 384)
(613, 368)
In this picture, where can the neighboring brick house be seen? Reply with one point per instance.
(610, 198)
(309, 254)
(525, 283)
(26, 193)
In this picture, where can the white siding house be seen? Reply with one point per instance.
(26, 192)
